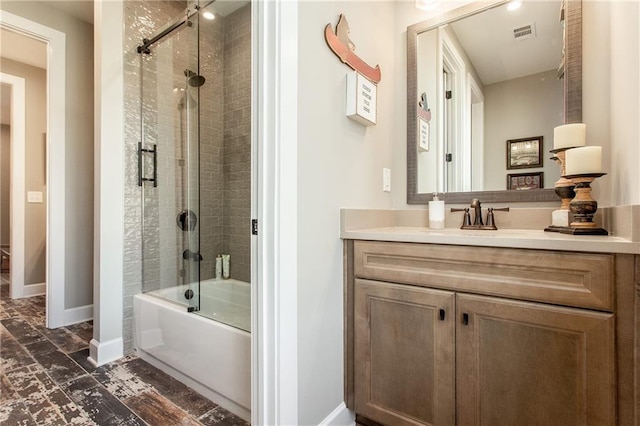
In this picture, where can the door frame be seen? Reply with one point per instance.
(17, 185)
(274, 314)
(55, 159)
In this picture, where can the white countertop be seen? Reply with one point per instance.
(511, 238)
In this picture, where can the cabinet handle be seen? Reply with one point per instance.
(442, 314)
(465, 319)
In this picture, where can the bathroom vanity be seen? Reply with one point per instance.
(498, 328)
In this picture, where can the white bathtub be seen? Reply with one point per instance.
(211, 357)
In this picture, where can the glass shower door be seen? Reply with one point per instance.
(169, 163)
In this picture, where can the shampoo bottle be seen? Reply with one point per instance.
(219, 266)
(436, 213)
(225, 266)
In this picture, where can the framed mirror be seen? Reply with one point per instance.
(486, 85)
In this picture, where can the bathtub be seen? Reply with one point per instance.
(212, 357)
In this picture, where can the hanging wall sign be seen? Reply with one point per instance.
(361, 99)
(340, 44)
(424, 119)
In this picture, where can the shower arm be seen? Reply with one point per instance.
(147, 42)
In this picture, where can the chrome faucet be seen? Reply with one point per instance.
(477, 220)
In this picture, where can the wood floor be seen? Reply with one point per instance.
(45, 379)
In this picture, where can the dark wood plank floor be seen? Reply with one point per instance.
(45, 379)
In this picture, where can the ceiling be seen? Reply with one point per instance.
(488, 40)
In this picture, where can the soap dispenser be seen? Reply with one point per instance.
(436, 213)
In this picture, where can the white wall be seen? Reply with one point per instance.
(625, 103)
(339, 165)
(79, 144)
(597, 109)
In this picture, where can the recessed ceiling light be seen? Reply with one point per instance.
(427, 4)
(208, 15)
(513, 5)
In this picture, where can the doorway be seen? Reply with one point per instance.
(53, 196)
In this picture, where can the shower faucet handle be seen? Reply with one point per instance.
(190, 255)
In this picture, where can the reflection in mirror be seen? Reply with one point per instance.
(480, 77)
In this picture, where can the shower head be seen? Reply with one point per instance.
(194, 79)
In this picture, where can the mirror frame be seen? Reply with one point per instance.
(572, 101)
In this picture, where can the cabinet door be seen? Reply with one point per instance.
(404, 354)
(524, 363)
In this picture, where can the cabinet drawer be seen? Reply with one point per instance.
(563, 278)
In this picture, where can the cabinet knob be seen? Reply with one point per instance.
(442, 313)
(465, 319)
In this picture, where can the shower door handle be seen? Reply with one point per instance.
(141, 152)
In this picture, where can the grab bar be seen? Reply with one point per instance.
(141, 152)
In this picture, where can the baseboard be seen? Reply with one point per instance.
(341, 416)
(29, 290)
(79, 314)
(101, 353)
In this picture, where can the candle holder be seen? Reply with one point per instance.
(584, 207)
(564, 188)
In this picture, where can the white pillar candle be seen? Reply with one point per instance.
(569, 135)
(584, 160)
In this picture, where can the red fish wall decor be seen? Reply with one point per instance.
(340, 44)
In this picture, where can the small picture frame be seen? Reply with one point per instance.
(524, 153)
(524, 181)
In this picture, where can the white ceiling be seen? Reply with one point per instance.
(488, 41)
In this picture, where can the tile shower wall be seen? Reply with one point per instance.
(211, 144)
(224, 151)
(237, 142)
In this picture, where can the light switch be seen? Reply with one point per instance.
(386, 180)
(34, 196)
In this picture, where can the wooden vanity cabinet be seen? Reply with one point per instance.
(522, 363)
(404, 354)
(427, 350)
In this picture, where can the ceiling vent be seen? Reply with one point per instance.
(524, 32)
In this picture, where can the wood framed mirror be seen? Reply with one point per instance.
(441, 61)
